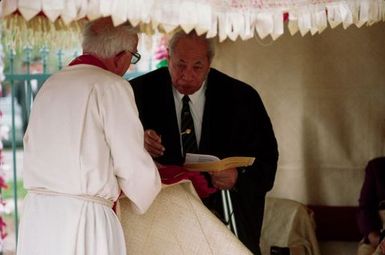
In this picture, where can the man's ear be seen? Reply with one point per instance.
(118, 57)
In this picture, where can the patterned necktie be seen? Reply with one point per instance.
(189, 140)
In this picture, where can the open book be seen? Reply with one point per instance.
(204, 162)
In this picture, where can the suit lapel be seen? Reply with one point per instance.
(171, 130)
(204, 145)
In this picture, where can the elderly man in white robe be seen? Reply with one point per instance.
(83, 146)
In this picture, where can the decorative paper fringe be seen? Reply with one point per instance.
(39, 31)
(315, 18)
(225, 19)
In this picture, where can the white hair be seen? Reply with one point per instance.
(107, 40)
(181, 34)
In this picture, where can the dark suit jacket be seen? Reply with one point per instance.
(372, 192)
(235, 123)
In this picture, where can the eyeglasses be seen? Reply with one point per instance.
(135, 57)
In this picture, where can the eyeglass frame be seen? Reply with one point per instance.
(135, 57)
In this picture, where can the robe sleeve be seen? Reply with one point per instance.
(134, 168)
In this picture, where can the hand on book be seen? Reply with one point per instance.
(224, 179)
(173, 174)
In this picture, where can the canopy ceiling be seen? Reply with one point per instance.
(223, 18)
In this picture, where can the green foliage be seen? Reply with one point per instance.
(162, 63)
(8, 193)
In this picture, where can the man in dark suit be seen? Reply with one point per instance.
(371, 203)
(229, 120)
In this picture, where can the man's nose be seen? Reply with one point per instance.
(188, 74)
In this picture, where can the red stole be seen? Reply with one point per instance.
(88, 60)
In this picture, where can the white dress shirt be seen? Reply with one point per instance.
(197, 105)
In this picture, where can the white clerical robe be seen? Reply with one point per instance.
(84, 139)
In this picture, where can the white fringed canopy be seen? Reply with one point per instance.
(223, 18)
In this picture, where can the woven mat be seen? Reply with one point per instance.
(177, 223)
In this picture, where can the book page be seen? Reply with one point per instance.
(199, 162)
(198, 158)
